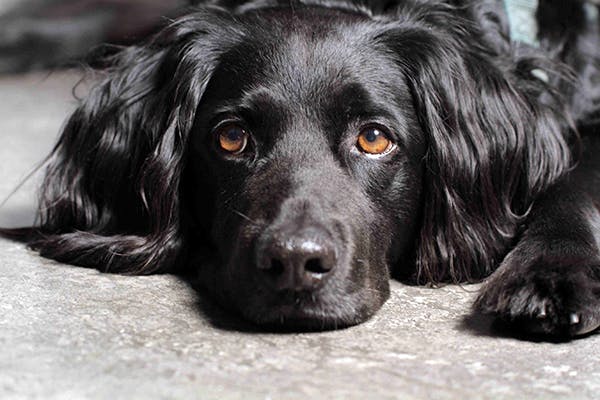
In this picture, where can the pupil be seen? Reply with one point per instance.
(234, 135)
(372, 135)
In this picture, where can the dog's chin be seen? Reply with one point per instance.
(302, 311)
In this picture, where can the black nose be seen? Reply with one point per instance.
(298, 261)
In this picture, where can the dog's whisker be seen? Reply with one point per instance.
(247, 218)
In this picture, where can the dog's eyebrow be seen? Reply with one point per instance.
(250, 99)
(229, 109)
(241, 110)
(258, 105)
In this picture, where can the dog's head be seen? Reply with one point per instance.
(295, 155)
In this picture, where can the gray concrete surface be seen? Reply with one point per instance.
(73, 333)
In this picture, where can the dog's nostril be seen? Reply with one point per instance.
(276, 268)
(315, 266)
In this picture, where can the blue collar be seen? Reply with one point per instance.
(522, 21)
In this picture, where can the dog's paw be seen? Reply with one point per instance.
(548, 297)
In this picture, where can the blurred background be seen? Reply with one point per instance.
(40, 43)
(40, 34)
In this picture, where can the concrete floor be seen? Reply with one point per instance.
(73, 333)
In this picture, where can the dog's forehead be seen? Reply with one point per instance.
(305, 61)
(307, 65)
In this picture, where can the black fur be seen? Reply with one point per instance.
(485, 174)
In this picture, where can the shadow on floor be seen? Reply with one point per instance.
(217, 315)
(473, 324)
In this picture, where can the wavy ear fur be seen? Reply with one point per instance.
(111, 196)
(495, 140)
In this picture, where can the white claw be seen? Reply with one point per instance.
(574, 319)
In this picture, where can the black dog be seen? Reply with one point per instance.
(299, 153)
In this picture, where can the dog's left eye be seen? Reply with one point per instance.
(232, 138)
(374, 141)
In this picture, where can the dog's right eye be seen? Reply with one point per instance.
(373, 141)
(232, 138)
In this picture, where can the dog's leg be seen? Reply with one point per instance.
(550, 282)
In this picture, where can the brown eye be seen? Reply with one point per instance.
(232, 138)
(373, 140)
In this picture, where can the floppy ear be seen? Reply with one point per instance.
(493, 144)
(111, 197)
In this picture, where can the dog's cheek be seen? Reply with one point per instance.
(402, 201)
(397, 210)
